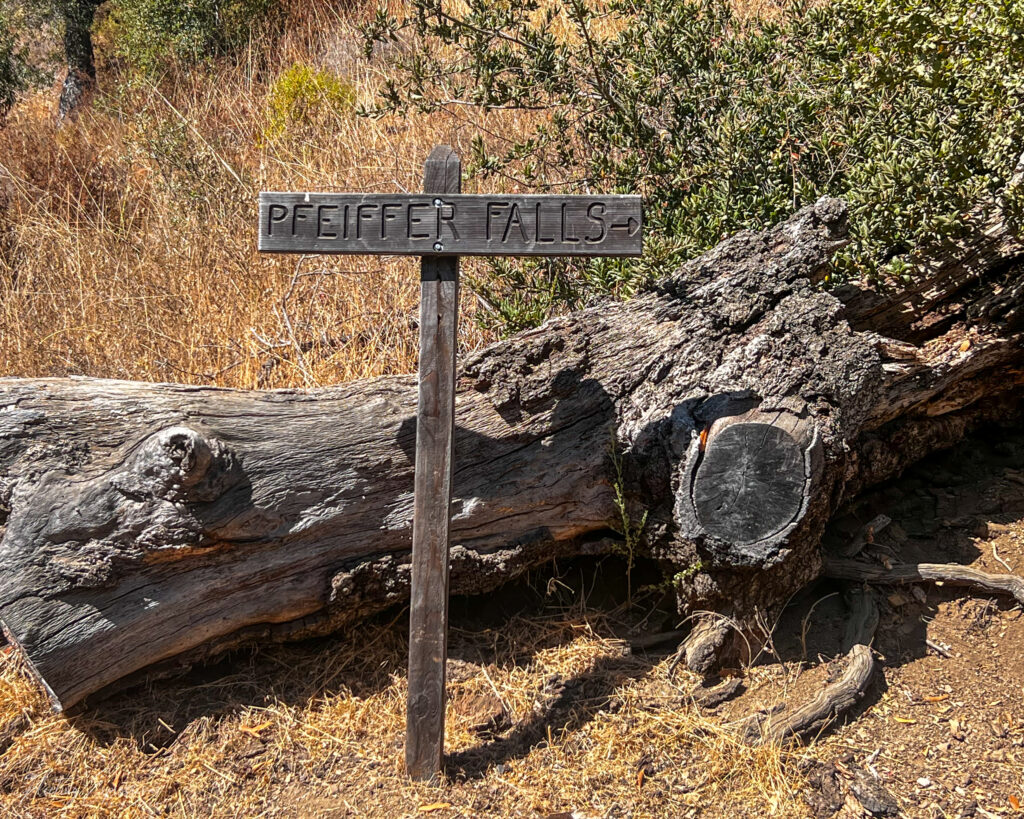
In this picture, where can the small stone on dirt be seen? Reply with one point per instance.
(871, 794)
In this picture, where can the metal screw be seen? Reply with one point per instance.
(438, 203)
(438, 246)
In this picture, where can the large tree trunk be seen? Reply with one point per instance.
(733, 403)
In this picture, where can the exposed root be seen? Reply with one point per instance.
(832, 701)
(837, 697)
(716, 642)
(860, 628)
(708, 697)
(952, 574)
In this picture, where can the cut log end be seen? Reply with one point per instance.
(747, 481)
(750, 484)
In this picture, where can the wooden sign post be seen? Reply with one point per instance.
(440, 225)
(435, 426)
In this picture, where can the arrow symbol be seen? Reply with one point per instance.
(631, 226)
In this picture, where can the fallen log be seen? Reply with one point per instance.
(733, 403)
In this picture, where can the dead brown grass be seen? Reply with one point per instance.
(128, 245)
(317, 730)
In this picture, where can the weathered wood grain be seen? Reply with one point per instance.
(750, 483)
(808, 719)
(145, 522)
(435, 425)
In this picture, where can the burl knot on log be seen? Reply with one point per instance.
(736, 403)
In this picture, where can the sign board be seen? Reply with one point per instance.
(451, 224)
(440, 225)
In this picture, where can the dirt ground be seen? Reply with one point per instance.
(556, 712)
(944, 727)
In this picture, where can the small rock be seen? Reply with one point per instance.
(872, 795)
(924, 782)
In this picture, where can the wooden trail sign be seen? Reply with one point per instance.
(459, 224)
(440, 225)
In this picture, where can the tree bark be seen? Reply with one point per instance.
(733, 405)
(80, 79)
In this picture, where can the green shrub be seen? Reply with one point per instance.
(9, 80)
(150, 33)
(303, 93)
(911, 110)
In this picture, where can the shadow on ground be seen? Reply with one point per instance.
(542, 610)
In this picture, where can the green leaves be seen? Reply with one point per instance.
(149, 32)
(911, 110)
(11, 63)
(302, 93)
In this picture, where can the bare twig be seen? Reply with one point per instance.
(995, 554)
(938, 649)
(300, 357)
(208, 376)
(292, 339)
(806, 622)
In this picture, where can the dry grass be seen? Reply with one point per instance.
(128, 240)
(127, 245)
(317, 730)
